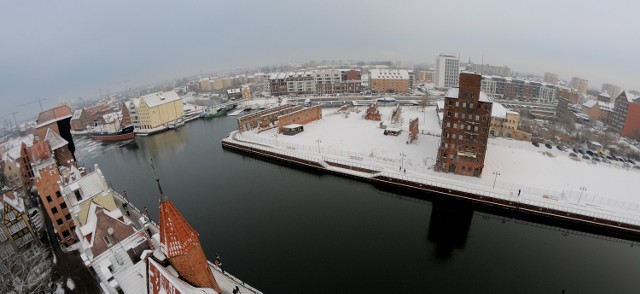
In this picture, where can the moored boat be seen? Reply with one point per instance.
(125, 133)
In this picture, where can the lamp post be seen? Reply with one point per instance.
(318, 141)
(582, 189)
(402, 156)
(497, 173)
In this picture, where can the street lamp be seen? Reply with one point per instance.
(582, 189)
(318, 141)
(497, 173)
(402, 156)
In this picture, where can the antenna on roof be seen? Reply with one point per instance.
(162, 198)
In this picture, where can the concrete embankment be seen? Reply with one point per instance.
(593, 223)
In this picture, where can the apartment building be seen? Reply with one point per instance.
(581, 85)
(447, 71)
(517, 88)
(551, 78)
(612, 90)
(625, 118)
(389, 80)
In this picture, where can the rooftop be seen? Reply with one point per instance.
(53, 115)
(158, 98)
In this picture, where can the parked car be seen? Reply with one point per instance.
(535, 144)
(610, 157)
(595, 158)
(631, 161)
(606, 160)
(586, 156)
(588, 152)
(548, 145)
(580, 151)
(573, 155)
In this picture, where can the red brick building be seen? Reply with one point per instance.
(625, 118)
(465, 128)
(47, 182)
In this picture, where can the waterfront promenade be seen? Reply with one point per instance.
(415, 171)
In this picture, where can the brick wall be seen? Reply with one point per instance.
(300, 117)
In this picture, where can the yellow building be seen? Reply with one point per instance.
(246, 92)
(157, 109)
(504, 123)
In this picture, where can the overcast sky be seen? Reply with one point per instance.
(60, 50)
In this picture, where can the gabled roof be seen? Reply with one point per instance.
(55, 141)
(159, 98)
(631, 98)
(14, 201)
(53, 115)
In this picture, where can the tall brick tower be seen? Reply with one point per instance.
(465, 128)
(181, 245)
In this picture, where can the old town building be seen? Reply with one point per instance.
(465, 128)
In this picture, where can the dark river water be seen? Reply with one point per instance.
(287, 230)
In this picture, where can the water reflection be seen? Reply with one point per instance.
(448, 228)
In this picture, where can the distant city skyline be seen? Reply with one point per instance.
(62, 51)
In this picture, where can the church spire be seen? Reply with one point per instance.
(162, 197)
(182, 247)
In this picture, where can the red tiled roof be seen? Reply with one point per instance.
(54, 114)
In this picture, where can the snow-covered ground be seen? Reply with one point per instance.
(545, 176)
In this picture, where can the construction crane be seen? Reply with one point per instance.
(15, 121)
(39, 101)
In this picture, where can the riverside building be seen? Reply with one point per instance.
(465, 128)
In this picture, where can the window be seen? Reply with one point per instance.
(106, 240)
(65, 233)
(471, 105)
(58, 194)
(457, 103)
(455, 126)
(54, 210)
(67, 217)
(448, 124)
(49, 199)
(78, 196)
(63, 205)
(464, 116)
(455, 115)
(59, 221)
(477, 117)
(464, 104)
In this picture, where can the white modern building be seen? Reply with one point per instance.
(447, 71)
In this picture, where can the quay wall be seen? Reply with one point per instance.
(585, 221)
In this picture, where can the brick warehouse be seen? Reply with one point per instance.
(465, 128)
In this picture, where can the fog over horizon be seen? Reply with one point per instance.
(65, 50)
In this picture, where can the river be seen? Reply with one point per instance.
(287, 230)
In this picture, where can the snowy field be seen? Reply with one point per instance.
(548, 176)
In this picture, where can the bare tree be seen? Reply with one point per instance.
(25, 271)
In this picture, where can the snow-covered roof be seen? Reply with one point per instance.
(389, 74)
(499, 111)
(16, 202)
(291, 126)
(606, 106)
(55, 141)
(453, 93)
(590, 103)
(160, 98)
(605, 94)
(77, 114)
